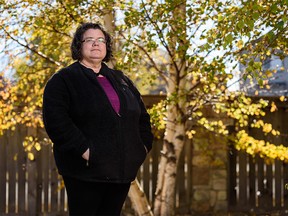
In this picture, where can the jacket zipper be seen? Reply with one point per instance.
(121, 152)
(122, 162)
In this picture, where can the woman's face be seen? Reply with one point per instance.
(93, 46)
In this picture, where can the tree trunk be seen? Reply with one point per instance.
(173, 144)
(136, 194)
(139, 200)
(109, 18)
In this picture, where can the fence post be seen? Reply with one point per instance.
(3, 165)
(32, 180)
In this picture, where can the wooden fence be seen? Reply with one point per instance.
(257, 186)
(34, 187)
(28, 187)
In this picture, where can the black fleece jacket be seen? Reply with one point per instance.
(77, 115)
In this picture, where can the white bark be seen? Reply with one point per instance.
(164, 204)
(173, 144)
(139, 200)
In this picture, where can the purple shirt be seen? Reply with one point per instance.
(110, 92)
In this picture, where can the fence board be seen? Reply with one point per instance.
(3, 165)
(21, 171)
(146, 175)
(269, 187)
(55, 206)
(11, 163)
(46, 178)
(278, 184)
(38, 181)
(32, 181)
(32, 187)
(157, 146)
(251, 180)
(285, 182)
(242, 177)
(232, 183)
(260, 182)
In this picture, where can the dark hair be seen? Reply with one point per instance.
(78, 37)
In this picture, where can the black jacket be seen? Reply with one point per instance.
(77, 115)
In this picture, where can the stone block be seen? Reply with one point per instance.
(219, 184)
(201, 176)
(222, 195)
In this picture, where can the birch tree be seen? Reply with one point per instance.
(200, 39)
(175, 126)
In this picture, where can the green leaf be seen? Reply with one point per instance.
(255, 15)
(228, 39)
(240, 24)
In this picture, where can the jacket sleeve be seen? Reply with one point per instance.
(58, 124)
(145, 126)
(144, 121)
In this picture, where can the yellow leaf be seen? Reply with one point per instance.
(240, 44)
(269, 73)
(282, 98)
(37, 146)
(25, 143)
(15, 157)
(31, 156)
(190, 134)
(267, 128)
(268, 53)
(273, 107)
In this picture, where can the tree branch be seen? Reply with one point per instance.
(162, 39)
(149, 57)
(42, 55)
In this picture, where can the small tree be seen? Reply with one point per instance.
(200, 39)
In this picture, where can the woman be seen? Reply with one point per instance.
(98, 123)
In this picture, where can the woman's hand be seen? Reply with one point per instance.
(146, 149)
(86, 154)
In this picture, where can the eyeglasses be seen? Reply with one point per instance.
(93, 40)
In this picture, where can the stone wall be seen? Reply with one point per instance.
(209, 173)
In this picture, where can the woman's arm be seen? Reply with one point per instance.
(144, 121)
(58, 124)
